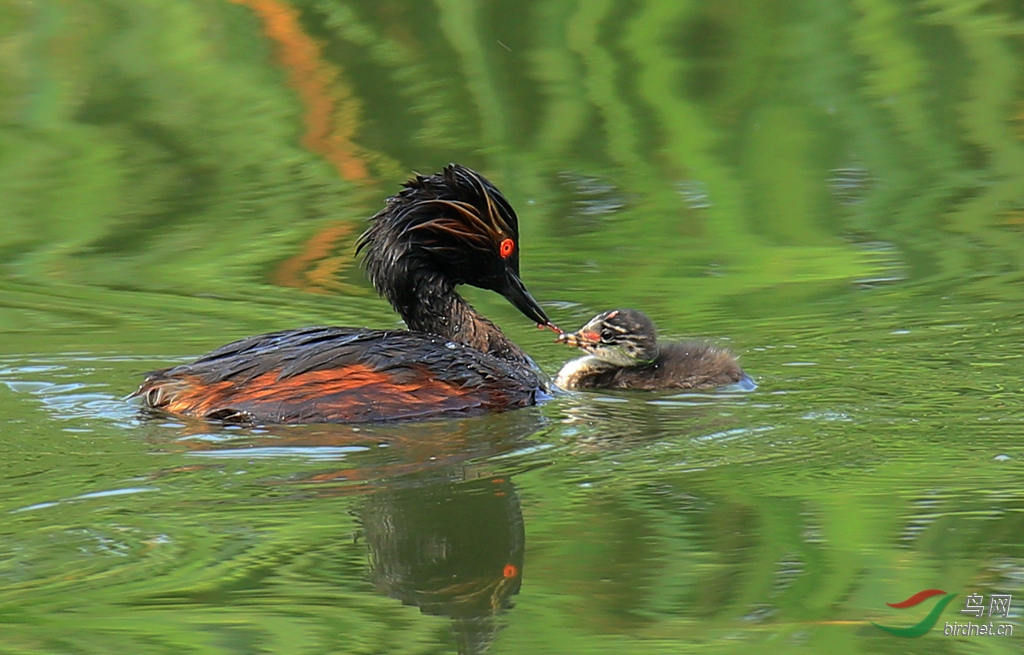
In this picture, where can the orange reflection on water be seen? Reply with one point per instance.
(317, 266)
(332, 111)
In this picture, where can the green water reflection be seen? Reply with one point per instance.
(833, 189)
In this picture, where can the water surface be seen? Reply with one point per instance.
(833, 190)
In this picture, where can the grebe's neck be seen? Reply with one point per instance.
(429, 303)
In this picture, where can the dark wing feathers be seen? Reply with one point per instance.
(340, 374)
(289, 352)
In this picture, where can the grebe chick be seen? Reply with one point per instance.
(440, 231)
(624, 353)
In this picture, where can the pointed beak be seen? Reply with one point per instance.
(517, 294)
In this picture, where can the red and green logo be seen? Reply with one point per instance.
(928, 622)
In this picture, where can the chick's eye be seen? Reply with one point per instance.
(607, 334)
(507, 247)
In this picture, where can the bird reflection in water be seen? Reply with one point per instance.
(451, 549)
(440, 518)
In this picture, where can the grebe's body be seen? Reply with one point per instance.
(624, 353)
(341, 375)
(441, 231)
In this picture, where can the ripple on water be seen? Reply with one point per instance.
(70, 390)
(313, 453)
(108, 493)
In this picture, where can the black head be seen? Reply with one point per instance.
(624, 337)
(455, 226)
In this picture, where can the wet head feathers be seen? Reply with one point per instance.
(449, 224)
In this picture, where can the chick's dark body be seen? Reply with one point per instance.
(624, 353)
(679, 365)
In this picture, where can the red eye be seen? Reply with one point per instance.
(507, 247)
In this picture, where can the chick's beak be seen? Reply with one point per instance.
(578, 339)
(569, 338)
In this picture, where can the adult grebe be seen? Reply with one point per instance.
(625, 354)
(440, 231)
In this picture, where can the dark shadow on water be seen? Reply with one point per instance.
(451, 549)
